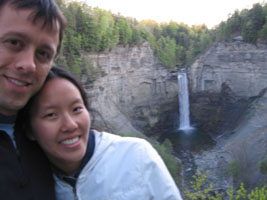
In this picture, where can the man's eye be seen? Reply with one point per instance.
(44, 56)
(14, 44)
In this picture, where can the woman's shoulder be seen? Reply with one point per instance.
(125, 139)
(109, 139)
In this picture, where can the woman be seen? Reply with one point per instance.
(91, 164)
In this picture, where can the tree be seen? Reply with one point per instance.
(125, 31)
(256, 16)
(249, 33)
(166, 51)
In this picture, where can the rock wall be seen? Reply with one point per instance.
(228, 85)
(133, 92)
(223, 79)
(240, 151)
(240, 65)
(136, 94)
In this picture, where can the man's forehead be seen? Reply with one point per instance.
(33, 17)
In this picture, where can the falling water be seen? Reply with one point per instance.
(183, 102)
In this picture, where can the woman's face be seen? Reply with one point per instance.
(61, 123)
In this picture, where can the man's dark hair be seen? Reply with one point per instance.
(41, 9)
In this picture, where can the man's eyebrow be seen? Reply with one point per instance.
(16, 34)
(49, 48)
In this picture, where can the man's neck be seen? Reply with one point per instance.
(7, 119)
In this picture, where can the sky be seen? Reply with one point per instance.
(190, 12)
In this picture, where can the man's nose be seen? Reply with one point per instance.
(26, 61)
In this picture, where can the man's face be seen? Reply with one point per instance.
(26, 54)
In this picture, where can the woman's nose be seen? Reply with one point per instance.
(68, 123)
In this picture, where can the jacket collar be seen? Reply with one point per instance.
(89, 153)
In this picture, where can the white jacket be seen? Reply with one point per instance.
(121, 168)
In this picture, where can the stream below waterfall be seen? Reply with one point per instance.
(192, 140)
(185, 145)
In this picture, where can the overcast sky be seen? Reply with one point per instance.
(191, 12)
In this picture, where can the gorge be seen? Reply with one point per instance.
(134, 93)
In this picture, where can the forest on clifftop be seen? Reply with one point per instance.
(91, 29)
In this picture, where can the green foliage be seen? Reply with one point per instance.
(249, 33)
(233, 169)
(125, 31)
(166, 51)
(94, 30)
(166, 151)
(258, 194)
(174, 44)
(177, 44)
(263, 32)
(251, 24)
(91, 73)
(263, 165)
(202, 190)
(242, 194)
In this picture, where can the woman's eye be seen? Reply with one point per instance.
(50, 115)
(78, 108)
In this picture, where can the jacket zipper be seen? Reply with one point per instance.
(75, 193)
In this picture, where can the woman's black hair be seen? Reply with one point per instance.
(59, 72)
(23, 122)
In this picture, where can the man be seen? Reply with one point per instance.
(30, 36)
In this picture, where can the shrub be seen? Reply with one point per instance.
(201, 190)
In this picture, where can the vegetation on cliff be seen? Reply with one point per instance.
(95, 30)
(250, 23)
(174, 44)
(201, 189)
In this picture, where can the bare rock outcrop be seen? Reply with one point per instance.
(133, 90)
(240, 65)
(229, 82)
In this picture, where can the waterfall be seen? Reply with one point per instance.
(183, 101)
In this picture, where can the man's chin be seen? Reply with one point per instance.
(12, 108)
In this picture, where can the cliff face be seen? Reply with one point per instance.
(228, 91)
(224, 79)
(240, 65)
(133, 92)
(136, 94)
